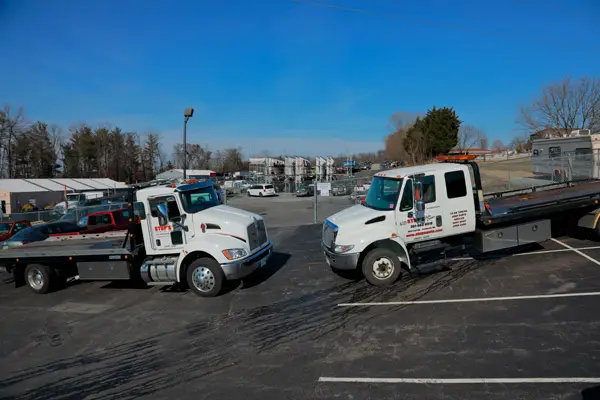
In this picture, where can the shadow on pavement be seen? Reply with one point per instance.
(275, 263)
(592, 393)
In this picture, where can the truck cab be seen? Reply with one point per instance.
(189, 235)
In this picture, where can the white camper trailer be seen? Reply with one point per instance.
(572, 157)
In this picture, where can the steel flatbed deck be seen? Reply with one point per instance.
(72, 249)
(541, 201)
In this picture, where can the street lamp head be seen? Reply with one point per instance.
(188, 112)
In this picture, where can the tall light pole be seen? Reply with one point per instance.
(187, 114)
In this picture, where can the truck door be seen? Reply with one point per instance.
(165, 223)
(458, 207)
(419, 214)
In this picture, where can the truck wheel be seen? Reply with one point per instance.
(205, 277)
(39, 278)
(381, 267)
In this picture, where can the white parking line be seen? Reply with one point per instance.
(474, 300)
(576, 251)
(532, 253)
(459, 380)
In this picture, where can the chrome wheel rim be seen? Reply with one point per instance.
(203, 279)
(35, 278)
(383, 268)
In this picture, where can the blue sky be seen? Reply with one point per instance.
(286, 77)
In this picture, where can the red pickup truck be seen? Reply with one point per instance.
(106, 221)
(9, 228)
(103, 221)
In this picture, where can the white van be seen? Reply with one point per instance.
(262, 190)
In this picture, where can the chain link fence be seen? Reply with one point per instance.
(538, 170)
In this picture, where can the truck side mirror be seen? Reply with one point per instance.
(418, 194)
(163, 217)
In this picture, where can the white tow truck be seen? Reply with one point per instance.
(181, 234)
(414, 216)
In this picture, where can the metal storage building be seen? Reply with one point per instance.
(15, 193)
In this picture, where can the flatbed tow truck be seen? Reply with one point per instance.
(183, 236)
(416, 216)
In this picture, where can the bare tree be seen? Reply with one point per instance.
(400, 122)
(564, 106)
(497, 145)
(518, 144)
(469, 137)
(415, 145)
(10, 127)
(484, 143)
(232, 160)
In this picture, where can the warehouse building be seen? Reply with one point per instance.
(15, 193)
(199, 174)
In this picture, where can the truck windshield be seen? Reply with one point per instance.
(199, 199)
(74, 197)
(383, 193)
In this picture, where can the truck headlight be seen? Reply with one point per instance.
(341, 248)
(234, 254)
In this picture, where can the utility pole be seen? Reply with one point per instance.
(187, 114)
(316, 218)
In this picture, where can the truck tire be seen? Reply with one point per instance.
(205, 277)
(381, 267)
(39, 278)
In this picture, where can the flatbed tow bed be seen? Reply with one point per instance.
(526, 204)
(107, 256)
(74, 250)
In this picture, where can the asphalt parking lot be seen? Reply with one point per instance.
(287, 210)
(520, 327)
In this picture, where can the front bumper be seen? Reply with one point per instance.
(245, 266)
(340, 261)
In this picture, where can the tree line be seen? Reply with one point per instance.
(40, 150)
(417, 138)
(558, 109)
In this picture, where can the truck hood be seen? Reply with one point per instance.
(352, 229)
(225, 212)
(232, 221)
(356, 215)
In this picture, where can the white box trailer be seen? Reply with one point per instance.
(573, 157)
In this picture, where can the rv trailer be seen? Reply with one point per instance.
(573, 157)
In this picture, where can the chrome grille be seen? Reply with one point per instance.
(253, 240)
(257, 234)
(262, 232)
(328, 235)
